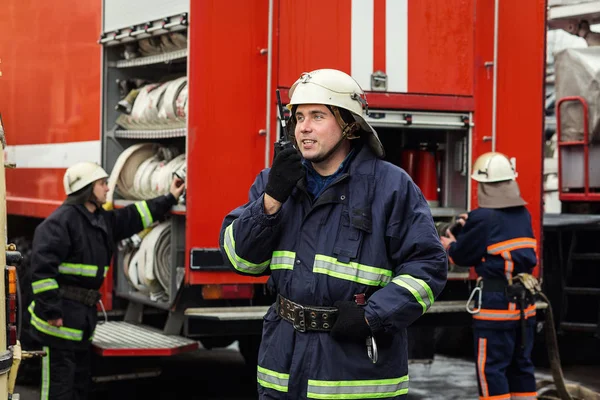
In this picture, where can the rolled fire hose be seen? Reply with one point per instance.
(158, 106)
(154, 175)
(144, 171)
(168, 105)
(162, 260)
(123, 173)
(148, 268)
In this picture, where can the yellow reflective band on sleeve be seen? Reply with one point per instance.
(272, 380)
(105, 271)
(351, 271)
(78, 269)
(60, 332)
(419, 289)
(44, 285)
(145, 214)
(369, 389)
(238, 262)
(283, 260)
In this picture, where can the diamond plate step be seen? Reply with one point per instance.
(119, 338)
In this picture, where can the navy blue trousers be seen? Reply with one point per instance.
(504, 370)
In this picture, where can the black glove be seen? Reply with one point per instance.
(286, 171)
(350, 324)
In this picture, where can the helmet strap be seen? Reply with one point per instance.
(348, 128)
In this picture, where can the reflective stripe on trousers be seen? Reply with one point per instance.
(351, 389)
(45, 389)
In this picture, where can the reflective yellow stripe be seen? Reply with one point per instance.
(78, 269)
(283, 260)
(60, 332)
(369, 389)
(144, 211)
(272, 380)
(105, 271)
(44, 285)
(419, 289)
(351, 271)
(238, 262)
(45, 389)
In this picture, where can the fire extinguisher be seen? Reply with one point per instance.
(409, 161)
(428, 175)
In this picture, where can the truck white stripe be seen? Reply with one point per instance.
(361, 48)
(396, 45)
(53, 155)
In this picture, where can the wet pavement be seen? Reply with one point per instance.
(221, 374)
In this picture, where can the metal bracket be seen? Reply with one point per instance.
(174, 323)
(134, 313)
(379, 81)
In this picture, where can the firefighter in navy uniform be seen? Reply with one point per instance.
(497, 239)
(351, 248)
(72, 250)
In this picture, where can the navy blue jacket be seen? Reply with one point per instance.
(75, 247)
(371, 228)
(500, 244)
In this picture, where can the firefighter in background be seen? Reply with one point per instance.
(350, 246)
(497, 238)
(72, 250)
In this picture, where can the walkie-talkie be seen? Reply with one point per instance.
(283, 142)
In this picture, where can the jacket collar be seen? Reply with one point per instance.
(358, 189)
(95, 219)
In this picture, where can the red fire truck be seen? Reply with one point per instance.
(139, 86)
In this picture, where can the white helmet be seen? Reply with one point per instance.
(335, 88)
(82, 174)
(493, 167)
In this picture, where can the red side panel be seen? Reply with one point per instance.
(50, 90)
(313, 34)
(440, 46)
(424, 47)
(41, 194)
(521, 97)
(520, 92)
(228, 83)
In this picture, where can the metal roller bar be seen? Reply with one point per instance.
(149, 60)
(177, 209)
(150, 134)
(423, 120)
(158, 27)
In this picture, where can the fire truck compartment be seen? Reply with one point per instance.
(433, 149)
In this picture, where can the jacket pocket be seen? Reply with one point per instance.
(349, 239)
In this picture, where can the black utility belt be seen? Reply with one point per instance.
(89, 297)
(306, 318)
(494, 285)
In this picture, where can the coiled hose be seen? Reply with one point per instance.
(148, 268)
